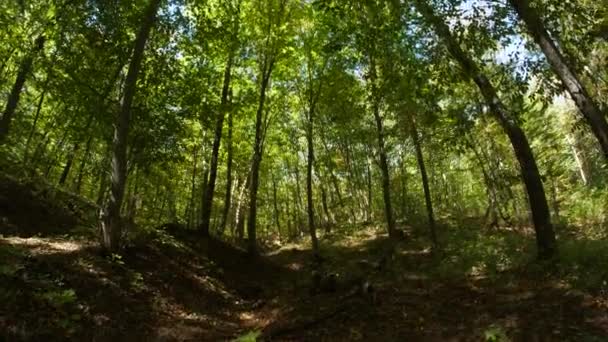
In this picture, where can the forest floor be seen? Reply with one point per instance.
(175, 286)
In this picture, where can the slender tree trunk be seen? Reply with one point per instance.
(493, 204)
(228, 199)
(190, 209)
(425, 182)
(68, 164)
(33, 130)
(386, 183)
(257, 158)
(13, 98)
(83, 163)
(275, 204)
(219, 124)
(240, 215)
(111, 222)
(545, 236)
(567, 74)
(370, 198)
(330, 169)
(579, 159)
(312, 229)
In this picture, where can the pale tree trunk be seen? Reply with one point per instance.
(191, 204)
(275, 205)
(566, 73)
(579, 159)
(312, 229)
(425, 182)
(228, 198)
(545, 236)
(111, 221)
(13, 98)
(210, 188)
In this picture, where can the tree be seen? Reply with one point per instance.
(566, 72)
(111, 225)
(210, 187)
(545, 236)
(13, 99)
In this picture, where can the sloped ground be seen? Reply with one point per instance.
(178, 287)
(54, 288)
(413, 304)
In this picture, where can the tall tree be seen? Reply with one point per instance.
(13, 98)
(111, 225)
(565, 71)
(219, 124)
(545, 236)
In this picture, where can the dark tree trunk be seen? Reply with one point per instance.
(13, 98)
(257, 158)
(545, 236)
(111, 222)
(68, 164)
(219, 124)
(425, 182)
(83, 163)
(386, 183)
(567, 74)
(33, 130)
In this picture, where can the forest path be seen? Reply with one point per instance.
(413, 302)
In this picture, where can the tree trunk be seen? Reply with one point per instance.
(228, 199)
(275, 205)
(219, 124)
(565, 72)
(240, 217)
(13, 98)
(386, 184)
(579, 158)
(425, 182)
(68, 164)
(111, 222)
(83, 162)
(190, 208)
(312, 229)
(545, 236)
(33, 130)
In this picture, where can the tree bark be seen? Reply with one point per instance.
(33, 130)
(566, 73)
(83, 162)
(386, 183)
(312, 229)
(219, 124)
(425, 182)
(111, 222)
(257, 161)
(228, 198)
(13, 98)
(68, 164)
(545, 236)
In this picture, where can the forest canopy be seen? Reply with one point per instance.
(264, 121)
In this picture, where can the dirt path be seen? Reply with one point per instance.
(412, 305)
